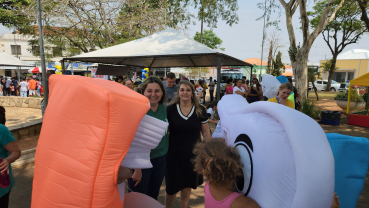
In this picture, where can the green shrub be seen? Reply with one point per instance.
(310, 108)
(354, 96)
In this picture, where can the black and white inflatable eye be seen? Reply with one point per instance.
(244, 145)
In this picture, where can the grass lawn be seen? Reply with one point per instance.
(322, 95)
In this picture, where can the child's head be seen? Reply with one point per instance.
(217, 161)
(214, 104)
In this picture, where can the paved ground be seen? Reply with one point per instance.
(17, 115)
(21, 194)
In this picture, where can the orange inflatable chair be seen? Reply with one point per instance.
(87, 130)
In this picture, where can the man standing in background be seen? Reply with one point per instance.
(32, 87)
(211, 88)
(170, 86)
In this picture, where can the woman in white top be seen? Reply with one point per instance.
(199, 91)
(238, 89)
(23, 88)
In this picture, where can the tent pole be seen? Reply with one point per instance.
(62, 65)
(42, 54)
(348, 99)
(219, 67)
(251, 73)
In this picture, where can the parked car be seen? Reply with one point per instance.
(321, 85)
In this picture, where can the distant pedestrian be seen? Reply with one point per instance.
(199, 91)
(128, 83)
(205, 87)
(7, 86)
(229, 87)
(170, 86)
(244, 86)
(12, 90)
(23, 88)
(255, 91)
(2, 85)
(32, 87)
(211, 88)
(16, 85)
(38, 88)
(238, 89)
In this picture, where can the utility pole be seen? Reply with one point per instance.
(16, 53)
(42, 54)
(262, 45)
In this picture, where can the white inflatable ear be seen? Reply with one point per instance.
(286, 156)
(270, 86)
(148, 136)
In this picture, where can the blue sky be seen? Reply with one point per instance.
(243, 40)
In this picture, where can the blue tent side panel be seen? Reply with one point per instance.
(282, 79)
(351, 159)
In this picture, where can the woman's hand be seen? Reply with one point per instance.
(137, 175)
(4, 165)
(335, 202)
(15, 153)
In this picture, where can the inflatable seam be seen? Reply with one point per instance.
(102, 153)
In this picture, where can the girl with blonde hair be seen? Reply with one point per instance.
(283, 92)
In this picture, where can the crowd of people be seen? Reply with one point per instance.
(182, 157)
(186, 153)
(27, 87)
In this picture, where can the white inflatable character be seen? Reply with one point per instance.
(270, 86)
(286, 156)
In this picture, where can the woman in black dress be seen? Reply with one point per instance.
(187, 119)
(255, 91)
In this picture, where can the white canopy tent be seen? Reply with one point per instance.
(168, 48)
(9, 60)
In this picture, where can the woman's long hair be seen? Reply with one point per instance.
(195, 101)
(154, 79)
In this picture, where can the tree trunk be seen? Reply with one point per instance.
(331, 71)
(316, 91)
(270, 57)
(299, 67)
(202, 26)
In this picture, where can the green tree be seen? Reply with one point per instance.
(9, 12)
(209, 39)
(75, 26)
(299, 55)
(346, 28)
(210, 10)
(326, 66)
(313, 72)
(278, 65)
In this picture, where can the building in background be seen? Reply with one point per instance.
(17, 46)
(256, 62)
(351, 64)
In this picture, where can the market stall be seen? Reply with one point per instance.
(359, 118)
